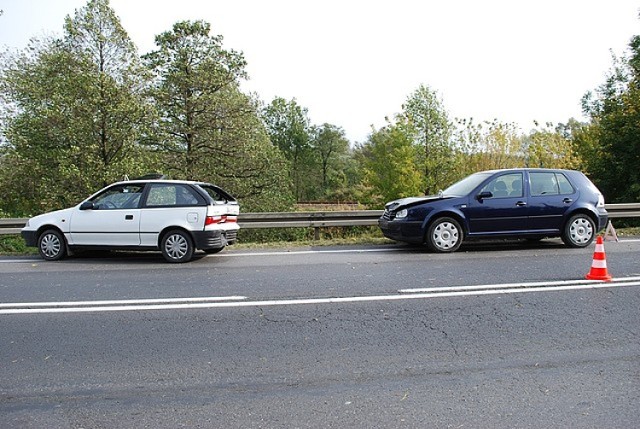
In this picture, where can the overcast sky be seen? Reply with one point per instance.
(354, 62)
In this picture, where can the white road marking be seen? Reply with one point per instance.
(307, 252)
(37, 260)
(478, 291)
(512, 285)
(124, 302)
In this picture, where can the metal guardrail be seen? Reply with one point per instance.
(321, 219)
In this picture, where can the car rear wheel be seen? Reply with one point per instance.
(579, 231)
(51, 245)
(444, 235)
(177, 246)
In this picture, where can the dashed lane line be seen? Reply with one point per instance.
(238, 302)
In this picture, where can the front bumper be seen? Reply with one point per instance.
(402, 230)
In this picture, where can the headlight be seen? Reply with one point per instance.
(402, 214)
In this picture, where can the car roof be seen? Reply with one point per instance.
(524, 169)
(183, 182)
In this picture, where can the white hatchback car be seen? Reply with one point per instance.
(173, 216)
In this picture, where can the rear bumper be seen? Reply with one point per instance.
(214, 239)
(603, 219)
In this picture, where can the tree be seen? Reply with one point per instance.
(116, 108)
(207, 128)
(549, 148)
(329, 143)
(611, 143)
(73, 112)
(487, 146)
(193, 74)
(389, 162)
(429, 127)
(289, 129)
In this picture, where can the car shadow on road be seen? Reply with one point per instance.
(126, 257)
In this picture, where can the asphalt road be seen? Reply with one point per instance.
(504, 335)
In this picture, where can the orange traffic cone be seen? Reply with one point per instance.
(599, 266)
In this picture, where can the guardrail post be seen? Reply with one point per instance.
(316, 233)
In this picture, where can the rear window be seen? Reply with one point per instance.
(217, 194)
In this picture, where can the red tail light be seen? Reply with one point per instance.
(211, 220)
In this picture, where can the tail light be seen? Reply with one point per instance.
(212, 220)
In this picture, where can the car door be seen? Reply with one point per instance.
(551, 196)
(170, 205)
(111, 218)
(499, 206)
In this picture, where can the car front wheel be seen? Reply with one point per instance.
(51, 245)
(444, 235)
(579, 231)
(177, 246)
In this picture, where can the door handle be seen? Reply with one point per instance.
(128, 217)
(567, 200)
(521, 203)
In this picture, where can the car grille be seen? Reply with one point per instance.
(388, 215)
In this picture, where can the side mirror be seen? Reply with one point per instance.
(483, 195)
(87, 205)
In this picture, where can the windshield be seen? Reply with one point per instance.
(466, 185)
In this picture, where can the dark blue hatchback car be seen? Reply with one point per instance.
(514, 203)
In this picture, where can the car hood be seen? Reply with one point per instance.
(36, 221)
(413, 201)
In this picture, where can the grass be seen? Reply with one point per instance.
(13, 244)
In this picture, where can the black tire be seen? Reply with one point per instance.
(579, 231)
(51, 245)
(213, 250)
(444, 235)
(177, 246)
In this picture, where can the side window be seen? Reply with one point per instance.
(506, 185)
(544, 184)
(169, 194)
(565, 185)
(119, 197)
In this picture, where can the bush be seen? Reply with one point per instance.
(14, 244)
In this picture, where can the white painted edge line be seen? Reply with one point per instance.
(305, 252)
(514, 285)
(317, 301)
(141, 302)
(37, 260)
